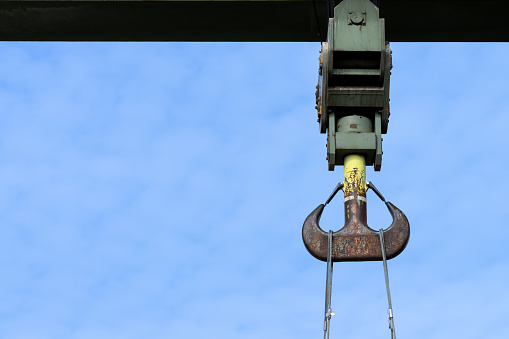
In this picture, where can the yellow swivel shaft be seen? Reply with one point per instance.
(355, 189)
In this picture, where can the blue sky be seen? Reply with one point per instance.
(158, 190)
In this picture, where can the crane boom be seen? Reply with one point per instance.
(233, 20)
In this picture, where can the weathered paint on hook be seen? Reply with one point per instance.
(356, 241)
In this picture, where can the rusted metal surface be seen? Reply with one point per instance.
(356, 241)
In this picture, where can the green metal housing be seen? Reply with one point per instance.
(354, 82)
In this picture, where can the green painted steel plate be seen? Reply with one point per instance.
(227, 20)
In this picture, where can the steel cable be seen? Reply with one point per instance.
(386, 273)
(328, 290)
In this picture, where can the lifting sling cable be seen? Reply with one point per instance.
(328, 312)
(328, 290)
(386, 273)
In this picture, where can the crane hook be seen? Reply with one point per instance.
(356, 241)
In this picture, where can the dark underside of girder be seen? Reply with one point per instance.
(225, 20)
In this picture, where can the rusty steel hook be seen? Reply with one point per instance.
(356, 241)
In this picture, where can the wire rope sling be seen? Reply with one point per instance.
(356, 241)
